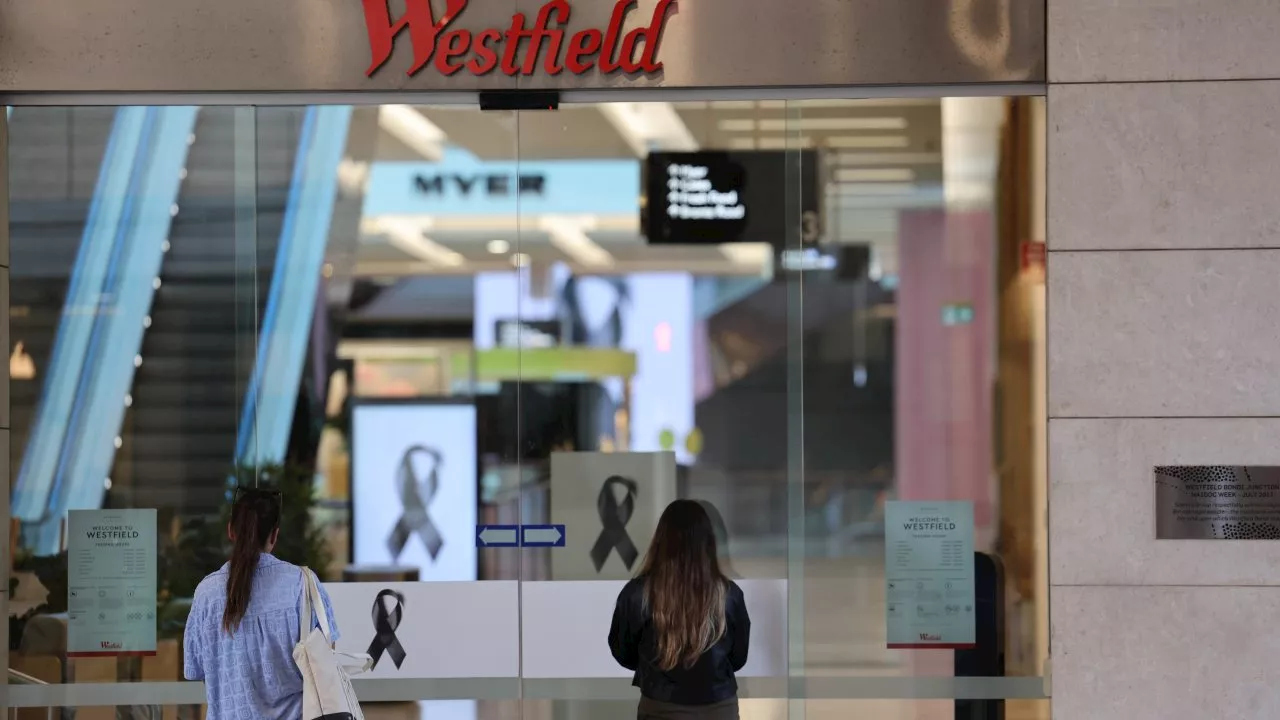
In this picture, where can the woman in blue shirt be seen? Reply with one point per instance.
(244, 621)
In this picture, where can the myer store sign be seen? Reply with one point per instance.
(465, 185)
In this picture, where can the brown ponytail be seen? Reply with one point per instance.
(255, 515)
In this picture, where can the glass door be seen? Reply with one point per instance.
(480, 353)
(621, 410)
(143, 243)
(790, 312)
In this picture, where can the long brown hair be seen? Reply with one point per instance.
(255, 516)
(684, 589)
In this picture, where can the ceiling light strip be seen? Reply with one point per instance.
(413, 129)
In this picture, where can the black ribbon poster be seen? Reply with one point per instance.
(614, 517)
(385, 623)
(416, 490)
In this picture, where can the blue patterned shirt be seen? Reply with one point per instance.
(250, 674)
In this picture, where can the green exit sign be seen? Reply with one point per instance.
(957, 314)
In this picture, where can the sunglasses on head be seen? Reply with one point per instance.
(254, 493)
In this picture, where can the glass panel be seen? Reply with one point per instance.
(135, 306)
(632, 413)
(843, 349)
(795, 313)
(434, 431)
(921, 306)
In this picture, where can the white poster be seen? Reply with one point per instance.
(930, 597)
(431, 629)
(565, 626)
(413, 488)
(505, 629)
(609, 504)
(111, 583)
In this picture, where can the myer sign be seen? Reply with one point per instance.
(462, 185)
(475, 184)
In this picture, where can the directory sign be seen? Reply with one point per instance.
(111, 582)
(929, 580)
(711, 198)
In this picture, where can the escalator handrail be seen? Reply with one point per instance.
(271, 396)
(113, 372)
(94, 350)
(67, 356)
(248, 428)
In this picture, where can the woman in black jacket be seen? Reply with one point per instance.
(681, 625)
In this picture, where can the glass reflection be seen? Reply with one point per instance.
(776, 300)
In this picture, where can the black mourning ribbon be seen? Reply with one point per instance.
(614, 518)
(385, 623)
(414, 496)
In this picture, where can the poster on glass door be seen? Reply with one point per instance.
(111, 582)
(609, 504)
(930, 599)
(414, 488)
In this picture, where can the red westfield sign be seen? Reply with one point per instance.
(515, 50)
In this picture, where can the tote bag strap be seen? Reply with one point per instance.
(312, 604)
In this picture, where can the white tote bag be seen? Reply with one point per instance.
(326, 673)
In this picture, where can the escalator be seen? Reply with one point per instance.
(55, 154)
(843, 431)
(178, 439)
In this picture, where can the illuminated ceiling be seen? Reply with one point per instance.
(880, 157)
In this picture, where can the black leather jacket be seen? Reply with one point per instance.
(634, 645)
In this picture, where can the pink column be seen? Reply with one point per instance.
(944, 379)
(944, 375)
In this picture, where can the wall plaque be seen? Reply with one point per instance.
(1217, 502)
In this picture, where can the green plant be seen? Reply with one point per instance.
(199, 549)
(51, 571)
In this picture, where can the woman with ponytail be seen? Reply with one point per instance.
(681, 625)
(244, 620)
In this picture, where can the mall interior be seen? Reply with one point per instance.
(797, 312)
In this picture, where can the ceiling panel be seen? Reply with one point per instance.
(574, 132)
(628, 252)
(878, 158)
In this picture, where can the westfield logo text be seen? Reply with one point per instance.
(516, 49)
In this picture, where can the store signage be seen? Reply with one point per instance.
(807, 259)
(693, 195)
(515, 50)
(490, 184)
(714, 197)
(930, 595)
(111, 583)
